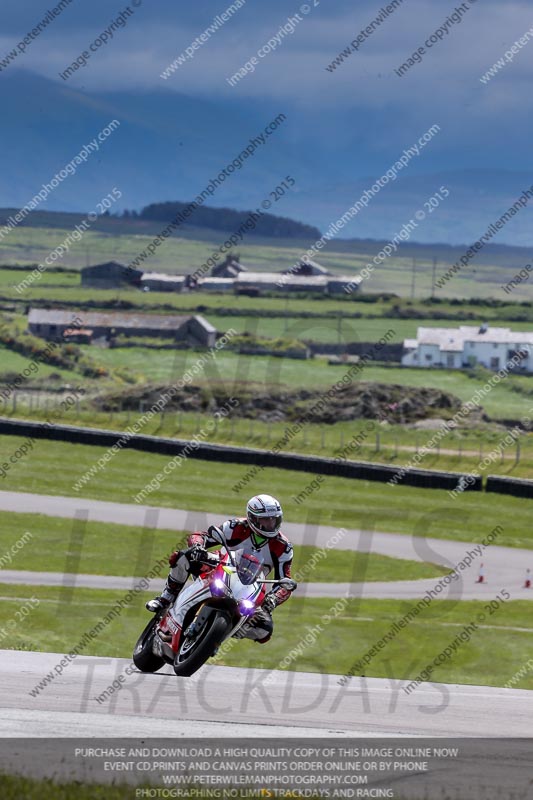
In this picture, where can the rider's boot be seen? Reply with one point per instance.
(167, 596)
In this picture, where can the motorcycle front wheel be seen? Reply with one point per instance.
(194, 653)
(144, 657)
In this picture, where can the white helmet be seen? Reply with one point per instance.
(264, 515)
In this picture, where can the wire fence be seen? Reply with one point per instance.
(357, 440)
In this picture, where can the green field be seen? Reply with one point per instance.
(508, 400)
(66, 287)
(461, 450)
(352, 631)
(184, 253)
(349, 628)
(167, 366)
(55, 467)
(95, 548)
(15, 363)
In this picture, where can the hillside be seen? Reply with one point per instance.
(123, 238)
(169, 149)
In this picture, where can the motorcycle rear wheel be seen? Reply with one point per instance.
(144, 657)
(213, 632)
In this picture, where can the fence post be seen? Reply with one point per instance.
(14, 401)
(378, 442)
(322, 435)
(517, 454)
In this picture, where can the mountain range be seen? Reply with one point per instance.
(169, 146)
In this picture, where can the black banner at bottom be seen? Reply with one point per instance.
(330, 768)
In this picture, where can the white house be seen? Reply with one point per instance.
(467, 346)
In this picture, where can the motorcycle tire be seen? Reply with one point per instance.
(188, 662)
(143, 656)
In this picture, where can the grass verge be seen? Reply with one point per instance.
(460, 450)
(56, 544)
(54, 468)
(492, 657)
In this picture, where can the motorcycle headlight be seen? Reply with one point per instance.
(218, 588)
(246, 607)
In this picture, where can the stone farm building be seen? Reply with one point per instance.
(228, 276)
(58, 325)
(162, 282)
(256, 283)
(110, 275)
(466, 346)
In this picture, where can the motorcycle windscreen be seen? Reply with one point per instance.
(248, 567)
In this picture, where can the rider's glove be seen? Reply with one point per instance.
(196, 554)
(270, 602)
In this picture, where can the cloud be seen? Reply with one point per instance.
(362, 101)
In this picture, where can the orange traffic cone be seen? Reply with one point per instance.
(527, 584)
(481, 574)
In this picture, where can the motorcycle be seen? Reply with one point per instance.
(229, 589)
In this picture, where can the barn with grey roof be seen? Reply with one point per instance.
(52, 324)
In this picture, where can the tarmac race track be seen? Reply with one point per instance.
(230, 701)
(504, 567)
(235, 702)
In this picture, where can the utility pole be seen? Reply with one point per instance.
(413, 279)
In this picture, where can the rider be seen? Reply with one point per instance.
(260, 533)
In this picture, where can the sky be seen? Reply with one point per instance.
(357, 116)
